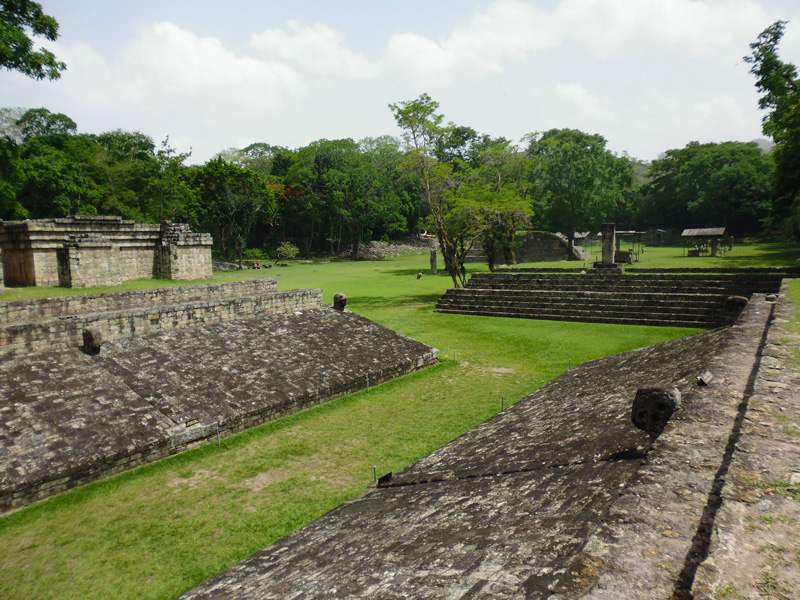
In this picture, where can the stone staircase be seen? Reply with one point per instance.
(663, 299)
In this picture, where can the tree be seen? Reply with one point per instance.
(55, 181)
(454, 219)
(37, 122)
(710, 185)
(169, 191)
(778, 82)
(231, 200)
(504, 207)
(576, 181)
(8, 123)
(9, 180)
(19, 20)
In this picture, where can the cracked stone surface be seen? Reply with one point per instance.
(559, 496)
(755, 546)
(66, 418)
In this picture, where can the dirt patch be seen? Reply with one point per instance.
(265, 479)
(190, 479)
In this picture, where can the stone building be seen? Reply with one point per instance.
(84, 251)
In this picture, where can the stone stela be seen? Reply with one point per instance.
(608, 232)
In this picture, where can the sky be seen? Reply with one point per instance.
(648, 75)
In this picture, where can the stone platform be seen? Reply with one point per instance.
(67, 418)
(696, 299)
(558, 497)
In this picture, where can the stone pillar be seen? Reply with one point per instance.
(182, 254)
(434, 266)
(609, 243)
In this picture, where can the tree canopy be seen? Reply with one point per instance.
(710, 185)
(778, 84)
(20, 20)
(577, 182)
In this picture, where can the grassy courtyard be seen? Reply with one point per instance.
(155, 532)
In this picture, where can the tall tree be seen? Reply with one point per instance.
(37, 122)
(454, 220)
(780, 88)
(231, 200)
(710, 185)
(503, 196)
(20, 20)
(577, 182)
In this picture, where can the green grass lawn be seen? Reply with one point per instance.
(157, 531)
(762, 254)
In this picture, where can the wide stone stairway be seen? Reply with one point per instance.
(701, 300)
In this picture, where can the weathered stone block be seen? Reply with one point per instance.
(653, 407)
(339, 301)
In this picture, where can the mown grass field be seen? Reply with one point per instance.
(155, 532)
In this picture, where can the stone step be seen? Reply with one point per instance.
(706, 316)
(584, 297)
(660, 321)
(702, 315)
(719, 286)
(758, 280)
(679, 299)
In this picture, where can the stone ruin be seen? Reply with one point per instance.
(94, 385)
(535, 246)
(560, 496)
(84, 251)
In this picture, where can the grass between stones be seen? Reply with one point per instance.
(157, 531)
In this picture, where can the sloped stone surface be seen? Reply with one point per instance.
(67, 418)
(559, 496)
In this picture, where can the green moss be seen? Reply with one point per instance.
(729, 592)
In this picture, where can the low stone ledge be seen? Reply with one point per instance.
(22, 311)
(67, 332)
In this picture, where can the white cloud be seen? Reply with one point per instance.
(507, 30)
(317, 48)
(513, 30)
(696, 28)
(170, 66)
(576, 100)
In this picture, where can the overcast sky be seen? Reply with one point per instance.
(648, 75)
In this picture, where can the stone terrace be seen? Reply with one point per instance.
(674, 300)
(558, 496)
(67, 418)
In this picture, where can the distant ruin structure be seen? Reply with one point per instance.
(88, 251)
(534, 246)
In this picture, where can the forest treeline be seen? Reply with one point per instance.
(331, 195)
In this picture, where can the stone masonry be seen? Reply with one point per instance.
(68, 418)
(94, 251)
(558, 497)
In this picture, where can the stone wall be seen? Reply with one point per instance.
(535, 246)
(90, 251)
(558, 496)
(18, 312)
(67, 332)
